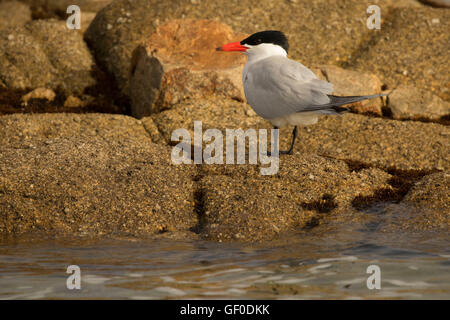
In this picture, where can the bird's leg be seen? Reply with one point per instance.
(268, 152)
(291, 149)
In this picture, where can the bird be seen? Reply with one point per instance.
(284, 91)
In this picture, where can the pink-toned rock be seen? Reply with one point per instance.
(179, 61)
(353, 83)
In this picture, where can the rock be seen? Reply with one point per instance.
(101, 175)
(406, 145)
(340, 166)
(438, 3)
(214, 113)
(89, 175)
(407, 102)
(317, 37)
(411, 49)
(39, 93)
(17, 130)
(429, 200)
(378, 142)
(74, 66)
(152, 130)
(432, 191)
(86, 19)
(179, 62)
(400, 3)
(353, 83)
(13, 13)
(32, 58)
(237, 203)
(59, 7)
(113, 35)
(26, 65)
(74, 102)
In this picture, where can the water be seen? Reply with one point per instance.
(321, 263)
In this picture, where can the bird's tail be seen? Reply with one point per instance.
(340, 101)
(336, 103)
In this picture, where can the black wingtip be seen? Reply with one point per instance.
(219, 49)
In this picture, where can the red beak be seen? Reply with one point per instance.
(233, 46)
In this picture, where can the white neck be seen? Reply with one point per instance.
(264, 50)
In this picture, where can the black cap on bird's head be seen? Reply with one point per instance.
(263, 37)
(269, 36)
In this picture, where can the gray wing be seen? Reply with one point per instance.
(278, 86)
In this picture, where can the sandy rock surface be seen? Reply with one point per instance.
(14, 13)
(353, 83)
(39, 93)
(438, 3)
(374, 141)
(89, 175)
(120, 27)
(412, 48)
(433, 190)
(240, 204)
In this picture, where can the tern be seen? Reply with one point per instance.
(284, 91)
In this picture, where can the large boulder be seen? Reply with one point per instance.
(89, 175)
(178, 61)
(32, 57)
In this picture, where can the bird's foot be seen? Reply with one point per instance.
(287, 151)
(281, 152)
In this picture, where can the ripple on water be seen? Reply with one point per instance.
(311, 268)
